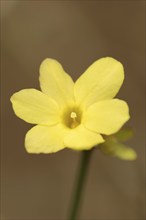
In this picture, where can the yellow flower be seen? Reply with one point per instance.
(72, 115)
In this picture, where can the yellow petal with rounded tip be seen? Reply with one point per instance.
(102, 80)
(45, 139)
(81, 138)
(118, 150)
(106, 117)
(125, 153)
(35, 107)
(55, 82)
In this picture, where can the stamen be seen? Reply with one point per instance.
(73, 115)
(74, 123)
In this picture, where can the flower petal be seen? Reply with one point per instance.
(35, 107)
(55, 82)
(81, 138)
(119, 150)
(124, 134)
(45, 139)
(106, 117)
(102, 80)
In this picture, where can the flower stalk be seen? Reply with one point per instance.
(77, 195)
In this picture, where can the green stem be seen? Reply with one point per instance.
(80, 183)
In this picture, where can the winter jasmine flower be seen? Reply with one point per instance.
(72, 115)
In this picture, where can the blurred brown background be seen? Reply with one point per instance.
(76, 33)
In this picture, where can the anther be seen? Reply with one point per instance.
(73, 115)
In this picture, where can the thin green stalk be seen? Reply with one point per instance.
(77, 195)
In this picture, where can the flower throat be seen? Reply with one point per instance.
(72, 118)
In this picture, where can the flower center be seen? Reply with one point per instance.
(72, 118)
